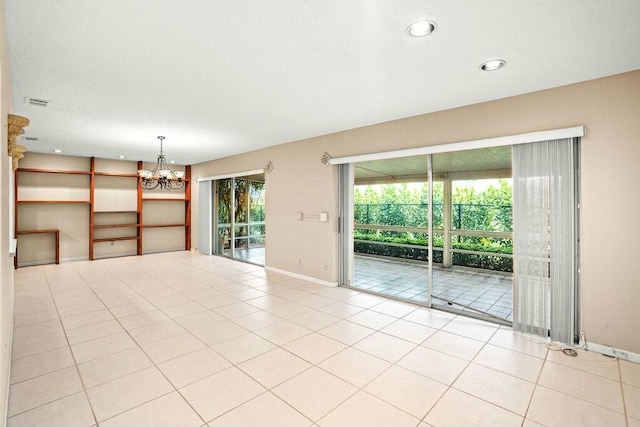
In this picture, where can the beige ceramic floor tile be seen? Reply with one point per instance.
(315, 320)
(266, 301)
(167, 411)
(593, 363)
(315, 301)
(430, 317)
(365, 300)
(265, 410)
(315, 348)
(341, 309)
(506, 391)
(47, 388)
(219, 393)
(592, 388)
(385, 346)
(200, 320)
(176, 299)
(551, 408)
(355, 366)
(172, 347)
(244, 347)
(107, 368)
(257, 320)
(40, 364)
(314, 392)
(94, 349)
(460, 409)
(632, 400)
(630, 373)
(156, 332)
(184, 309)
(32, 319)
(433, 364)
(143, 319)
(70, 411)
(346, 332)
(632, 422)
(122, 394)
(37, 330)
(510, 362)
(365, 410)
(283, 332)
(395, 308)
(75, 310)
(471, 328)
(455, 345)
(274, 367)
(372, 319)
(516, 341)
(407, 390)
(92, 332)
(219, 332)
(134, 308)
(409, 331)
(193, 367)
(31, 347)
(288, 310)
(238, 309)
(87, 319)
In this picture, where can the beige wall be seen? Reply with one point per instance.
(6, 262)
(609, 108)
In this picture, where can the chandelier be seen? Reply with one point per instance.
(161, 176)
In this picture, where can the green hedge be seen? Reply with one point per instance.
(488, 262)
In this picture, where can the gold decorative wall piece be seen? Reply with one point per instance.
(15, 129)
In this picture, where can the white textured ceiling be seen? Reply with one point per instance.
(220, 77)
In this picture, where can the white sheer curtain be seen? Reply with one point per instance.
(204, 217)
(544, 238)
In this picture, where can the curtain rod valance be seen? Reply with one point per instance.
(525, 138)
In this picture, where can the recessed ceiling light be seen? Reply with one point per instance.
(122, 157)
(421, 28)
(493, 65)
(57, 150)
(172, 161)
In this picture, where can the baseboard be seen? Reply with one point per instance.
(62, 260)
(302, 277)
(613, 352)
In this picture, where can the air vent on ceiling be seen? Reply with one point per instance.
(30, 138)
(35, 101)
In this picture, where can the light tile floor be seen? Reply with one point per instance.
(484, 290)
(179, 339)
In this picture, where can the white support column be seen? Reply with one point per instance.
(446, 220)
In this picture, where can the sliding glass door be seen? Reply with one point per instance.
(434, 230)
(240, 218)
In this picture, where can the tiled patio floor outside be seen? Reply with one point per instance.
(487, 291)
(252, 255)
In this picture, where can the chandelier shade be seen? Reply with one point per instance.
(161, 176)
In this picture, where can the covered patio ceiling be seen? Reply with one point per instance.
(484, 163)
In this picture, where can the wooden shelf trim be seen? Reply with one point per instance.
(55, 202)
(115, 212)
(164, 225)
(163, 199)
(116, 239)
(116, 174)
(69, 172)
(115, 226)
